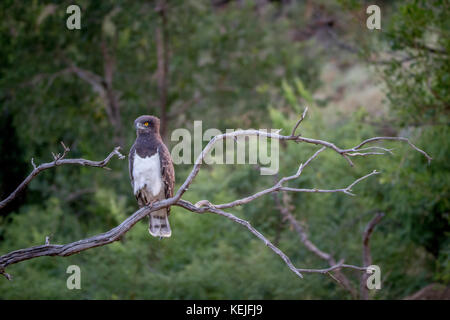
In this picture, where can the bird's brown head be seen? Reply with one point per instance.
(147, 124)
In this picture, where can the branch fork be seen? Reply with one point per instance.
(203, 206)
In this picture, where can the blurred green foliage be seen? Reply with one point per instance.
(418, 77)
(241, 64)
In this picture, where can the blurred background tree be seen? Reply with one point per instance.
(230, 64)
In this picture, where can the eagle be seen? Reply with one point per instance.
(151, 172)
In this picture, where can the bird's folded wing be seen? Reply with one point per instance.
(167, 171)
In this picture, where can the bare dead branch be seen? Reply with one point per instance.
(6, 275)
(389, 138)
(299, 121)
(81, 245)
(346, 190)
(90, 77)
(201, 207)
(376, 148)
(335, 267)
(259, 133)
(33, 164)
(339, 277)
(207, 207)
(367, 257)
(58, 161)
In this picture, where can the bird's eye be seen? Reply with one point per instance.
(146, 124)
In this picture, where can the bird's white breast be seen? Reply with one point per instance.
(147, 173)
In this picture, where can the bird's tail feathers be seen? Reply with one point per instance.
(159, 224)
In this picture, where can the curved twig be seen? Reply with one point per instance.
(346, 153)
(299, 121)
(59, 161)
(367, 257)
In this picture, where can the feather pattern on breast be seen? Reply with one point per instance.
(147, 174)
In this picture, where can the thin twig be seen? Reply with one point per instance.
(339, 277)
(367, 257)
(58, 161)
(335, 267)
(299, 121)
